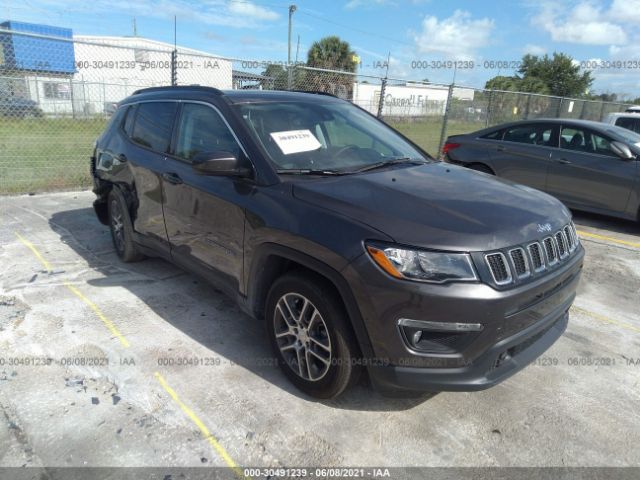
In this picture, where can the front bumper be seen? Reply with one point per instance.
(519, 325)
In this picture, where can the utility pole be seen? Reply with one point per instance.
(292, 8)
(135, 28)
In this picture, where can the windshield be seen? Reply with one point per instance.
(331, 136)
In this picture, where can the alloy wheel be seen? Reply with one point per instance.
(302, 337)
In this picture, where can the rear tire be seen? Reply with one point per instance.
(310, 334)
(481, 167)
(121, 228)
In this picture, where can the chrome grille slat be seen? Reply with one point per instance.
(537, 259)
(520, 262)
(550, 250)
(499, 268)
(561, 243)
(569, 235)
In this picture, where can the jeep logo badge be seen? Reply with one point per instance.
(544, 227)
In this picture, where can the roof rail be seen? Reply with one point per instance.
(170, 88)
(315, 92)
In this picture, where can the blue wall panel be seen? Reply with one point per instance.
(37, 54)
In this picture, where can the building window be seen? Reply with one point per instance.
(57, 91)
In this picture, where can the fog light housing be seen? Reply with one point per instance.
(437, 337)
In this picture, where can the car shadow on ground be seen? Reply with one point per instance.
(610, 224)
(203, 313)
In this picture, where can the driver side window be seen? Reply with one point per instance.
(201, 129)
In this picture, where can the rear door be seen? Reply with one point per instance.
(137, 155)
(203, 215)
(586, 173)
(522, 155)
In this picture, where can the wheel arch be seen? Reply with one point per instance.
(271, 261)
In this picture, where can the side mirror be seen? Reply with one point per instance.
(220, 164)
(622, 150)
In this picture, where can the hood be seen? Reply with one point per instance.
(439, 206)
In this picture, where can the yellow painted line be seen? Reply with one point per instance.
(604, 318)
(35, 251)
(203, 428)
(609, 239)
(108, 323)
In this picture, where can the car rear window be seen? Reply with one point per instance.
(629, 123)
(153, 125)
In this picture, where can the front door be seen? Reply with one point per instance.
(586, 173)
(203, 214)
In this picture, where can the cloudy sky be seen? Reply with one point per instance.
(414, 32)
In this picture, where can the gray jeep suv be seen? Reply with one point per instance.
(358, 251)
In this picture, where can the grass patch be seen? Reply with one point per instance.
(45, 154)
(426, 133)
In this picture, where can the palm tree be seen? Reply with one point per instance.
(333, 54)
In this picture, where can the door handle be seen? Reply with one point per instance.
(500, 148)
(563, 161)
(172, 177)
(122, 157)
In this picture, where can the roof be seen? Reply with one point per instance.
(256, 96)
(140, 42)
(235, 96)
(575, 121)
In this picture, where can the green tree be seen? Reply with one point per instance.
(277, 77)
(556, 75)
(332, 53)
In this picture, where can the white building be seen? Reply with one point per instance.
(409, 100)
(108, 69)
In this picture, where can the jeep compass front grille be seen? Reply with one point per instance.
(520, 262)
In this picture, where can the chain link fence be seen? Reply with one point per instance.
(58, 91)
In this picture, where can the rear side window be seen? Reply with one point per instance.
(533, 134)
(497, 135)
(127, 126)
(153, 125)
(201, 130)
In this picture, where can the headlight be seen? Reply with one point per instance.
(424, 266)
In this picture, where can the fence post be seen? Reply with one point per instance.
(71, 96)
(559, 112)
(527, 106)
(383, 87)
(489, 105)
(584, 102)
(443, 133)
(174, 67)
(602, 111)
(289, 76)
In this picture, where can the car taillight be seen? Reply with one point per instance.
(449, 146)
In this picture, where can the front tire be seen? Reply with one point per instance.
(310, 335)
(121, 229)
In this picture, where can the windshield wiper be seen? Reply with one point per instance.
(386, 163)
(308, 171)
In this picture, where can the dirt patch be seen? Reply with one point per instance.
(12, 312)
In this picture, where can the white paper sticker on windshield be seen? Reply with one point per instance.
(296, 141)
